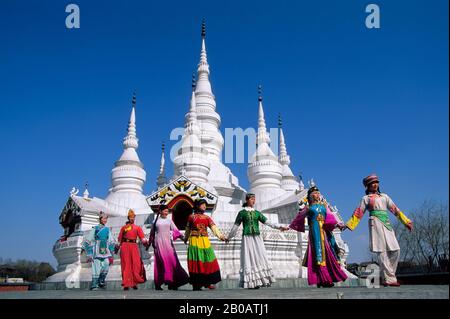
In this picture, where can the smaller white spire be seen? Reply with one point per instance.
(283, 156)
(288, 181)
(128, 175)
(162, 180)
(264, 171)
(163, 161)
(262, 136)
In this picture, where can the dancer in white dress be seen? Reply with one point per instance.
(255, 270)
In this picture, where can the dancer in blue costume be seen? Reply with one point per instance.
(322, 258)
(99, 246)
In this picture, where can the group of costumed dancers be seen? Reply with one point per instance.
(322, 258)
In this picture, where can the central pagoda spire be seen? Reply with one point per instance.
(192, 159)
(203, 66)
(208, 119)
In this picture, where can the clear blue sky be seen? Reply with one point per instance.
(354, 100)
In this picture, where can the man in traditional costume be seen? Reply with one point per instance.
(99, 246)
(203, 267)
(133, 271)
(383, 241)
(255, 270)
(322, 256)
(167, 267)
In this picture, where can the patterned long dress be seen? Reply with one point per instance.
(202, 262)
(167, 269)
(322, 257)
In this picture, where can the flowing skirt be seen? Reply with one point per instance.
(167, 269)
(133, 271)
(256, 270)
(323, 275)
(202, 263)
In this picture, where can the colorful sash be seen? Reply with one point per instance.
(383, 217)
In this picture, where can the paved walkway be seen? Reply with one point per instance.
(404, 292)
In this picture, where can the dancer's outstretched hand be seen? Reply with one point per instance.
(284, 228)
(410, 226)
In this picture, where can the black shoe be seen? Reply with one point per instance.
(158, 288)
(197, 288)
(126, 288)
(135, 287)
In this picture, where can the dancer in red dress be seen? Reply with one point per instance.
(133, 271)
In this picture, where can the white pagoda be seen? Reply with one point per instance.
(198, 173)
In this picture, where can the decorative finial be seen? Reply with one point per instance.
(194, 82)
(163, 146)
(133, 100)
(86, 191)
(203, 28)
(74, 191)
(260, 92)
(279, 120)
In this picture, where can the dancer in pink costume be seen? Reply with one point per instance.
(167, 268)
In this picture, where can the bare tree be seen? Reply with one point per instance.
(428, 243)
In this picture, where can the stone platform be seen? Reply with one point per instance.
(225, 284)
(403, 292)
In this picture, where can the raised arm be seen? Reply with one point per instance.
(357, 215)
(398, 213)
